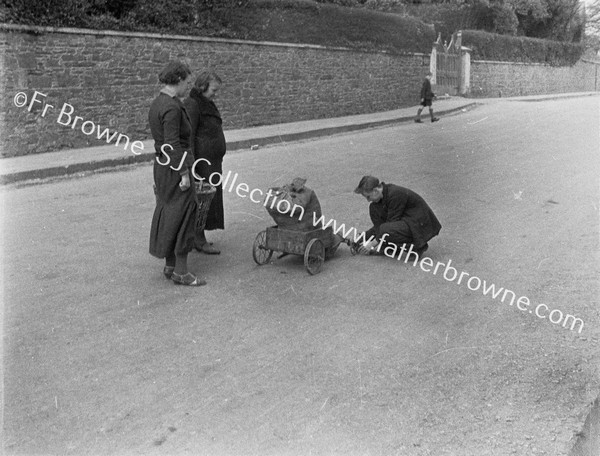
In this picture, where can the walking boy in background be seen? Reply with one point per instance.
(426, 99)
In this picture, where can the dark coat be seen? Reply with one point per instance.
(426, 92)
(174, 219)
(404, 207)
(208, 143)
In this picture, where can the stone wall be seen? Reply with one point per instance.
(110, 79)
(505, 79)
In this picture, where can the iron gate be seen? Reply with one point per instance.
(447, 65)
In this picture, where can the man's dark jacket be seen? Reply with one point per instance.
(401, 204)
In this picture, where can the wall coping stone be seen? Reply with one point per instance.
(80, 31)
(499, 62)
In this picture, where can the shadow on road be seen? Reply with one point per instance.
(588, 443)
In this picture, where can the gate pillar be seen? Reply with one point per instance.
(465, 73)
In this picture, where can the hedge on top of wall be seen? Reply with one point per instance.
(504, 48)
(308, 22)
(291, 21)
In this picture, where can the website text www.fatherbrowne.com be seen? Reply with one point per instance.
(450, 274)
(391, 250)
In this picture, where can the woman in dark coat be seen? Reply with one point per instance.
(174, 219)
(208, 143)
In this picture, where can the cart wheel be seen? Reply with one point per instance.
(260, 252)
(314, 256)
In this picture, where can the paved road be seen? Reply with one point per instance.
(370, 357)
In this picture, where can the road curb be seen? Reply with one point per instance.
(290, 137)
(60, 171)
(553, 97)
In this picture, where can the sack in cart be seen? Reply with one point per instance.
(293, 206)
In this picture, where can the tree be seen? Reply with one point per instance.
(494, 16)
(504, 19)
(592, 19)
(563, 21)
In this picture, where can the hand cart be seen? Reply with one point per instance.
(315, 245)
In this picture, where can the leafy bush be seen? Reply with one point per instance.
(212, 4)
(327, 25)
(489, 46)
(385, 5)
(93, 13)
(114, 8)
(62, 13)
(447, 18)
(351, 3)
(503, 19)
(160, 15)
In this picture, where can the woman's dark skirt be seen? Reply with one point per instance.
(174, 220)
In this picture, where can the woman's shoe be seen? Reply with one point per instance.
(168, 271)
(188, 279)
